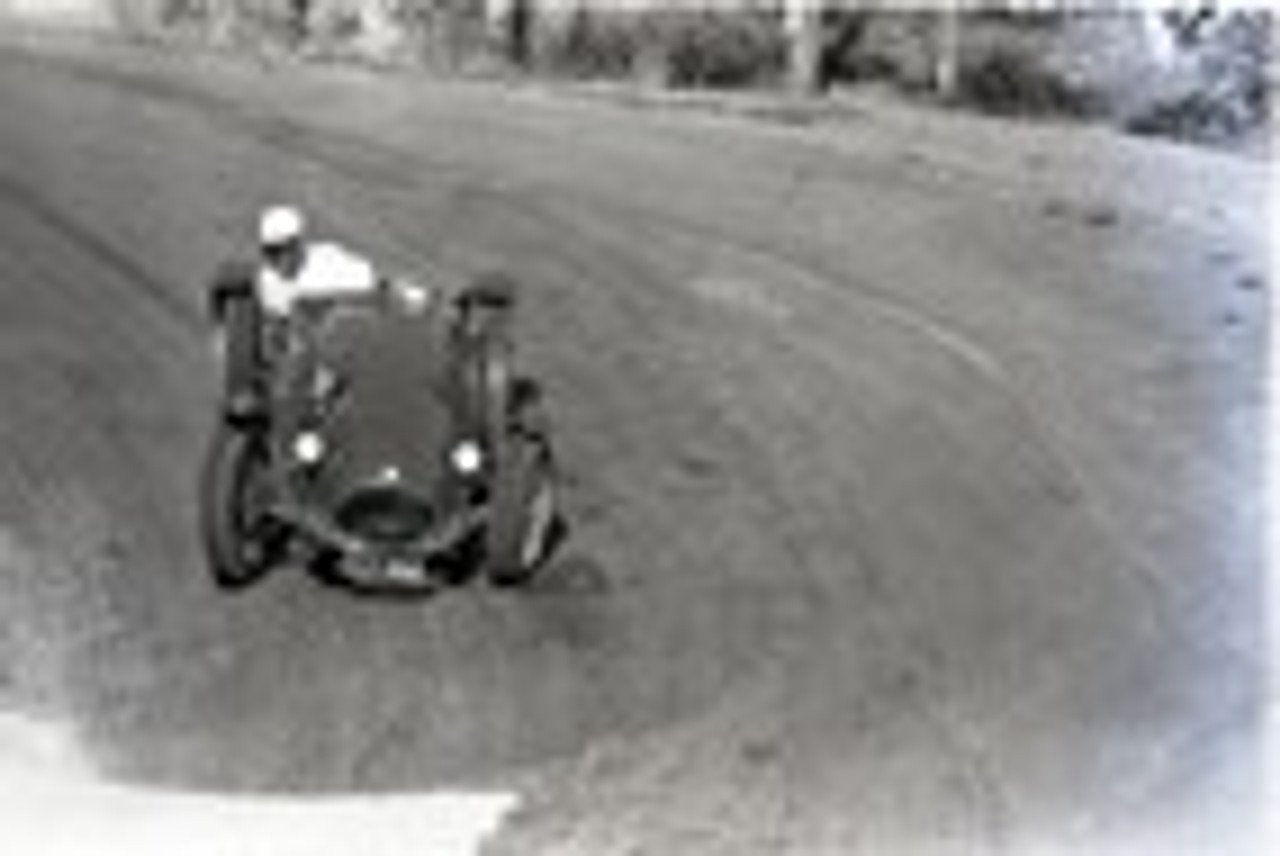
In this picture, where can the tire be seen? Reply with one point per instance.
(484, 374)
(241, 320)
(526, 524)
(242, 542)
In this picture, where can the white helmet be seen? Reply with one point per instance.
(280, 224)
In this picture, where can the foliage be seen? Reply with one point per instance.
(711, 46)
(892, 48)
(1235, 77)
(1008, 61)
(1009, 80)
(719, 47)
(587, 44)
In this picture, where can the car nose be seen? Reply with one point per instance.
(385, 513)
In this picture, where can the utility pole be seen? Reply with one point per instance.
(510, 27)
(802, 20)
(946, 57)
(520, 32)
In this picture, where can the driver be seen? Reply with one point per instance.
(295, 268)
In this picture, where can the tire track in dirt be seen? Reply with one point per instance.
(80, 473)
(123, 268)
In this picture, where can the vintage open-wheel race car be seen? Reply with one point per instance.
(385, 442)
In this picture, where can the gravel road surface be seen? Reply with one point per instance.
(916, 465)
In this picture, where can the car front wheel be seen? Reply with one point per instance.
(242, 541)
(527, 524)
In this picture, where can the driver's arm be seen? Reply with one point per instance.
(330, 271)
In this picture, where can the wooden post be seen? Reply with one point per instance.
(803, 23)
(510, 27)
(520, 32)
(946, 57)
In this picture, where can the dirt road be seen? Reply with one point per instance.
(916, 463)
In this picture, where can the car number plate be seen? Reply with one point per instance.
(404, 571)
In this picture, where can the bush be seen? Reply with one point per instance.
(591, 44)
(707, 47)
(181, 13)
(1195, 117)
(1229, 98)
(721, 48)
(892, 47)
(241, 22)
(1010, 81)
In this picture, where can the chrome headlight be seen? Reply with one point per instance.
(415, 298)
(308, 448)
(467, 457)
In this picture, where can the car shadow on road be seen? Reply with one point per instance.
(570, 575)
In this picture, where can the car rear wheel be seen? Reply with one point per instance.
(242, 541)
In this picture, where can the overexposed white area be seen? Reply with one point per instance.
(79, 11)
(52, 804)
(1272, 721)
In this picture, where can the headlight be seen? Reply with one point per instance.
(467, 457)
(415, 298)
(308, 448)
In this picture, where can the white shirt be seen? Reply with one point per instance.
(327, 270)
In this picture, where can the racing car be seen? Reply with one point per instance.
(386, 442)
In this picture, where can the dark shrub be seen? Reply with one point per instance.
(590, 44)
(1235, 67)
(179, 13)
(719, 48)
(707, 47)
(1195, 117)
(895, 47)
(1009, 81)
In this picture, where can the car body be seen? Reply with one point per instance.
(385, 441)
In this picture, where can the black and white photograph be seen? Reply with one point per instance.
(638, 428)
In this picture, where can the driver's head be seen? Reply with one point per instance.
(282, 237)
